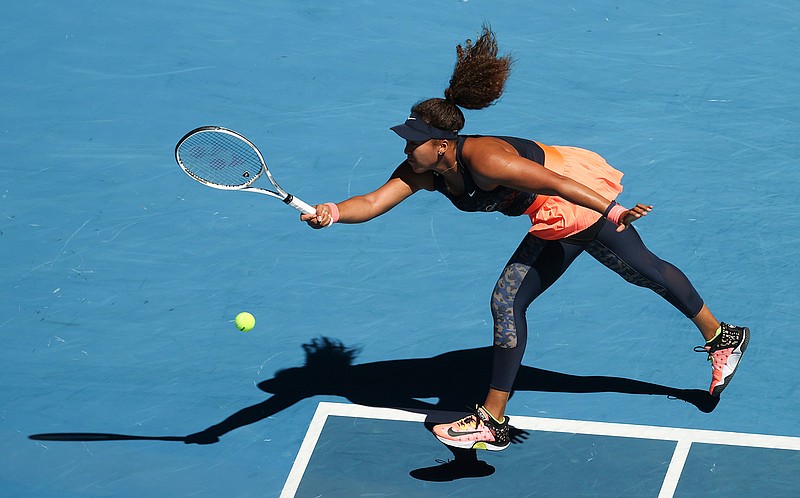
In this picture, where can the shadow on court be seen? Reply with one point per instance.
(456, 379)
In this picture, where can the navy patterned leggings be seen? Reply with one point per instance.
(538, 263)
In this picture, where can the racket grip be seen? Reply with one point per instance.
(299, 205)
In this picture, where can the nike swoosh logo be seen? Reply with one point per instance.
(471, 193)
(451, 432)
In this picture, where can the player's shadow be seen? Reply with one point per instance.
(454, 380)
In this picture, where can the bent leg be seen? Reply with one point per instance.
(534, 267)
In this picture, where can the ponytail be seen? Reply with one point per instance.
(479, 76)
(478, 79)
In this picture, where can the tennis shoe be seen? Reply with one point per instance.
(479, 431)
(725, 352)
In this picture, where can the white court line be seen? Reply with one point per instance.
(675, 469)
(306, 449)
(683, 437)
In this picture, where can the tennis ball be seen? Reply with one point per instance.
(245, 321)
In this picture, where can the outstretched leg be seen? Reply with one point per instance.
(625, 253)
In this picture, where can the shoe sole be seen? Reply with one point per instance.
(741, 349)
(472, 445)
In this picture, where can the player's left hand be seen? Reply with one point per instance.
(632, 215)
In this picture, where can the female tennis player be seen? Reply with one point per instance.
(569, 195)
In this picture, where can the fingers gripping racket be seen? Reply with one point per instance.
(226, 160)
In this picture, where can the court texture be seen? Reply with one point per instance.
(122, 374)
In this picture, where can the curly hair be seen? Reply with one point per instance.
(478, 79)
(326, 353)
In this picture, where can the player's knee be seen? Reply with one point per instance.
(502, 304)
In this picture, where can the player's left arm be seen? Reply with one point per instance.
(494, 165)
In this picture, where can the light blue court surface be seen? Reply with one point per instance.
(121, 276)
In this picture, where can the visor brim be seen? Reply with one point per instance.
(415, 129)
(411, 134)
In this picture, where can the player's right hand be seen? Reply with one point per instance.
(321, 219)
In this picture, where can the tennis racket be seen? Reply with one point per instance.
(224, 159)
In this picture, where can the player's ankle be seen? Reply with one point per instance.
(499, 419)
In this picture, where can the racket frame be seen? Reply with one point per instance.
(279, 193)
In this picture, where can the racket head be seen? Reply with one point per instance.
(220, 158)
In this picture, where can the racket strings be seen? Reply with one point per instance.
(220, 159)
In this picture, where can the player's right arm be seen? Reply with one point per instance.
(360, 208)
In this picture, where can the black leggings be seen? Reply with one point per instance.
(538, 263)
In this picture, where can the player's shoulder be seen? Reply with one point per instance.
(417, 181)
(483, 144)
(483, 150)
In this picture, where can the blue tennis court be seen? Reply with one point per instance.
(123, 375)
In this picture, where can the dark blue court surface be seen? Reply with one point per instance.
(122, 374)
(549, 457)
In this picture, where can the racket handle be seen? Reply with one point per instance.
(299, 205)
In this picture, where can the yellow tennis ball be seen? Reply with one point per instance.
(245, 321)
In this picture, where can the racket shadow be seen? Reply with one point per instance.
(85, 437)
